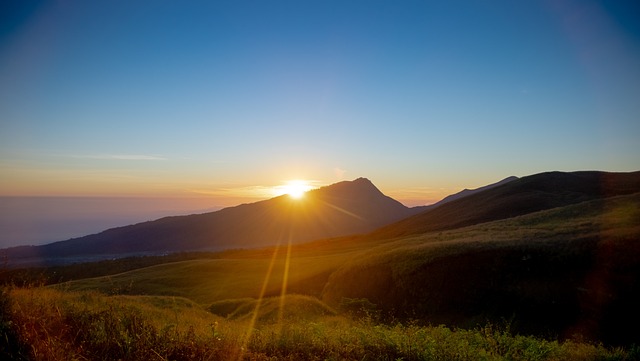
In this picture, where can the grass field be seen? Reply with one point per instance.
(565, 275)
(46, 324)
(553, 273)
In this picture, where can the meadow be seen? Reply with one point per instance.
(551, 285)
(46, 324)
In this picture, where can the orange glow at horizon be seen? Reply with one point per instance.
(294, 188)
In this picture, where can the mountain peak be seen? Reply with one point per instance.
(359, 187)
(362, 180)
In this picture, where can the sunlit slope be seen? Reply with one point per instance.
(567, 270)
(341, 209)
(517, 197)
(209, 280)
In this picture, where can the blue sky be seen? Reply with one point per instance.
(228, 99)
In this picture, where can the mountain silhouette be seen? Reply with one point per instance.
(344, 208)
(515, 197)
(467, 192)
(463, 193)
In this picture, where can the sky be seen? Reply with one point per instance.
(228, 99)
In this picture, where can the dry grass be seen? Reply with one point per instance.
(55, 325)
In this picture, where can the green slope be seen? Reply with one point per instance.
(209, 280)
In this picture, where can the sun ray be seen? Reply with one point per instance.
(291, 212)
(343, 210)
(256, 310)
(285, 280)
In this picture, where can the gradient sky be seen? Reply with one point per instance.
(228, 99)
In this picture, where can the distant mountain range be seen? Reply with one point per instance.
(345, 208)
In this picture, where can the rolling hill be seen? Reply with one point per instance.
(344, 208)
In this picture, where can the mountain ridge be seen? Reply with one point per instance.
(525, 195)
(344, 208)
(341, 209)
(466, 192)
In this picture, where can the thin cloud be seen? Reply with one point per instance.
(239, 192)
(119, 157)
(250, 192)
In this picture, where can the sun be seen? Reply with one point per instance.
(294, 188)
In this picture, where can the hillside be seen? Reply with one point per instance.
(514, 198)
(566, 270)
(465, 192)
(340, 209)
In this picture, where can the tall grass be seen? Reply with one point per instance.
(54, 325)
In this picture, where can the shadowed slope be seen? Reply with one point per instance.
(567, 270)
(517, 197)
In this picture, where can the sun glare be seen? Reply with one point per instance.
(294, 188)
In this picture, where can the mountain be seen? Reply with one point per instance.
(344, 208)
(467, 192)
(514, 198)
(463, 193)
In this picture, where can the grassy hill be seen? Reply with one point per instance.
(557, 272)
(243, 274)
